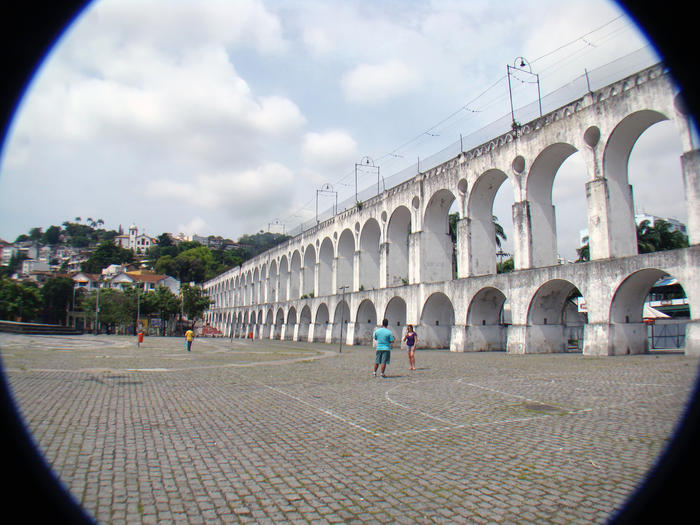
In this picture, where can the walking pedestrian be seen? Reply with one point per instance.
(189, 337)
(384, 338)
(411, 337)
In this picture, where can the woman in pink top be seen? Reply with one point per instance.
(411, 337)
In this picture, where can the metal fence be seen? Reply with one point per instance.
(666, 335)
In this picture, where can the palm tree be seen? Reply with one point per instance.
(500, 234)
(659, 237)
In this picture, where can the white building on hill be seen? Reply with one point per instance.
(137, 243)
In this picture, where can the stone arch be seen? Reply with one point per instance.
(395, 313)
(540, 181)
(552, 312)
(481, 244)
(365, 323)
(321, 323)
(267, 333)
(283, 293)
(272, 293)
(256, 287)
(309, 270)
(325, 267)
(436, 321)
(304, 322)
(628, 332)
(264, 284)
(341, 318)
(369, 255)
(398, 232)
(291, 322)
(621, 222)
(295, 275)
(486, 330)
(279, 323)
(437, 252)
(345, 261)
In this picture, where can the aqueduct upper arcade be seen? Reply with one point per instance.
(394, 257)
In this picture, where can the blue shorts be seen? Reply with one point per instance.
(383, 357)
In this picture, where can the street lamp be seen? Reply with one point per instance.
(97, 309)
(326, 188)
(521, 63)
(368, 163)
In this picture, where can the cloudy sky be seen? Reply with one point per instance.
(225, 116)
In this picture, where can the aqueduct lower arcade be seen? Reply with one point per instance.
(394, 257)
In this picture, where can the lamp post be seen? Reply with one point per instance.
(97, 309)
(521, 63)
(326, 188)
(368, 163)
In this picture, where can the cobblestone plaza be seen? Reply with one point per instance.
(270, 431)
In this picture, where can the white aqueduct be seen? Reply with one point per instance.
(393, 258)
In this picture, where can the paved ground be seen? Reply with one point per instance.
(289, 432)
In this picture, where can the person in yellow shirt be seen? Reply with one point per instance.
(189, 337)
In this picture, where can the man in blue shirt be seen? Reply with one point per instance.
(384, 338)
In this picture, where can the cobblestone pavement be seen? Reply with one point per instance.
(252, 431)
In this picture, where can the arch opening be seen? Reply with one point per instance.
(436, 322)
(398, 232)
(365, 323)
(649, 311)
(556, 318)
(486, 329)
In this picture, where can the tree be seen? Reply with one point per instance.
(165, 303)
(15, 263)
(195, 302)
(500, 233)
(105, 254)
(19, 301)
(584, 253)
(659, 237)
(35, 234)
(56, 296)
(51, 236)
(506, 266)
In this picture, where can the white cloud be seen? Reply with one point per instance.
(375, 83)
(196, 225)
(331, 148)
(241, 193)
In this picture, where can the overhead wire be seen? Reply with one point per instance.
(431, 132)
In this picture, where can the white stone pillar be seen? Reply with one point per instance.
(522, 236)
(317, 275)
(302, 282)
(463, 264)
(414, 257)
(383, 264)
(356, 271)
(334, 276)
(690, 164)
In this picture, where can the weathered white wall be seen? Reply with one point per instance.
(396, 250)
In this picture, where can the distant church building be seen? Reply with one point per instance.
(133, 241)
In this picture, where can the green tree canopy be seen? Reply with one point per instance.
(659, 237)
(195, 302)
(19, 301)
(52, 235)
(56, 296)
(105, 254)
